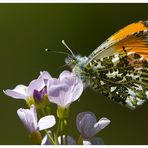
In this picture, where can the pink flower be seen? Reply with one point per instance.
(64, 90)
(88, 126)
(29, 119)
(24, 92)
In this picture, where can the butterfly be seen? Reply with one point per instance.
(118, 68)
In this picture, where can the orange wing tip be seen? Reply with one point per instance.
(131, 28)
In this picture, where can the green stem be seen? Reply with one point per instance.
(48, 110)
(61, 139)
(57, 132)
(61, 128)
(43, 112)
(80, 140)
(50, 138)
(65, 126)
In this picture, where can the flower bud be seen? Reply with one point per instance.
(42, 103)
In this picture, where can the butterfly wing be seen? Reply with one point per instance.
(132, 38)
(119, 67)
(122, 78)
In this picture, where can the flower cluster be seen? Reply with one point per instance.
(62, 91)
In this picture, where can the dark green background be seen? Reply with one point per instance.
(27, 29)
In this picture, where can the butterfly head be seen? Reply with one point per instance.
(71, 60)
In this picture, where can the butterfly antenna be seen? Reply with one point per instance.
(61, 52)
(62, 66)
(63, 42)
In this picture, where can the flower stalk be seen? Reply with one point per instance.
(50, 138)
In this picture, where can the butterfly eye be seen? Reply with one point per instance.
(68, 59)
(73, 62)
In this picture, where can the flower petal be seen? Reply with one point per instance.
(94, 141)
(37, 84)
(34, 115)
(85, 122)
(28, 118)
(46, 122)
(88, 126)
(51, 82)
(67, 77)
(74, 91)
(65, 90)
(57, 93)
(19, 92)
(65, 74)
(77, 90)
(101, 124)
(45, 75)
(56, 90)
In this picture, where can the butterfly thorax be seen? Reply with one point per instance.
(77, 64)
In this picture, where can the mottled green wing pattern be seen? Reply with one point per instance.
(121, 77)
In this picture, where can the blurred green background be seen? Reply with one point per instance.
(27, 29)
